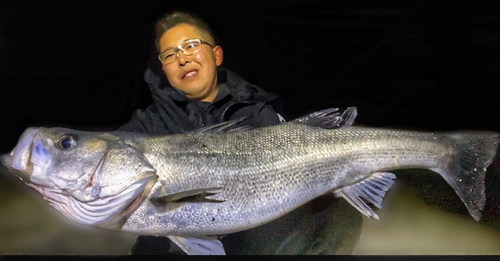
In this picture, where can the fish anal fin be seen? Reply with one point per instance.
(199, 245)
(371, 189)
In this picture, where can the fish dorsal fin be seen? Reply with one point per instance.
(226, 126)
(371, 189)
(199, 245)
(329, 118)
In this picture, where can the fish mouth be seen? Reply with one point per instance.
(28, 159)
(18, 161)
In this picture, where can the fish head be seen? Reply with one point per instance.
(90, 177)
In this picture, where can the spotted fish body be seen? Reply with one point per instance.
(193, 186)
(267, 172)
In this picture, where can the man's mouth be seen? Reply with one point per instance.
(189, 73)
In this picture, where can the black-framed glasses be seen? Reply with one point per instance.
(189, 47)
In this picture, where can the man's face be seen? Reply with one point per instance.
(196, 74)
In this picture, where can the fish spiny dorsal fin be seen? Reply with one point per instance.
(329, 118)
(227, 126)
(371, 189)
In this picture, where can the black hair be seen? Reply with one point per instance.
(175, 18)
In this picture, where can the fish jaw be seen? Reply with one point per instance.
(18, 160)
(29, 159)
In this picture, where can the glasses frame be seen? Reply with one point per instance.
(179, 48)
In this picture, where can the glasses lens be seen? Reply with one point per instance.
(191, 47)
(168, 57)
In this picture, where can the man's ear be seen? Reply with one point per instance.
(219, 55)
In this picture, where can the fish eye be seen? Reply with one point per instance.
(66, 142)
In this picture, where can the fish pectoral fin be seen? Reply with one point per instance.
(199, 245)
(193, 196)
(372, 189)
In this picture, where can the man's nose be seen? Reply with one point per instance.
(182, 58)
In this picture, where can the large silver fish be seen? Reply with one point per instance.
(193, 187)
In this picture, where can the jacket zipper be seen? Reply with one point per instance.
(203, 118)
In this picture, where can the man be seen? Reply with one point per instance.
(201, 93)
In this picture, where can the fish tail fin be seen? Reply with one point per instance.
(466, 171)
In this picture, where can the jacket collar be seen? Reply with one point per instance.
(229, 83)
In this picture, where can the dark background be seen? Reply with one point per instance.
(421, 65)
(430, 65)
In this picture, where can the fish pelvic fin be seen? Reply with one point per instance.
(372, 189)
(199, 245)
(467, 170)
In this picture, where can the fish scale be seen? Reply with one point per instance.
(317, 167)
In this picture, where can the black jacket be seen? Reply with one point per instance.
(172, 112)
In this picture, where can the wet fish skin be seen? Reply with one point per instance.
(191, 186)
(274, 166)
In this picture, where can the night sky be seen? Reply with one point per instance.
(424, 65)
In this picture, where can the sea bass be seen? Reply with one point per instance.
(196, 186)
